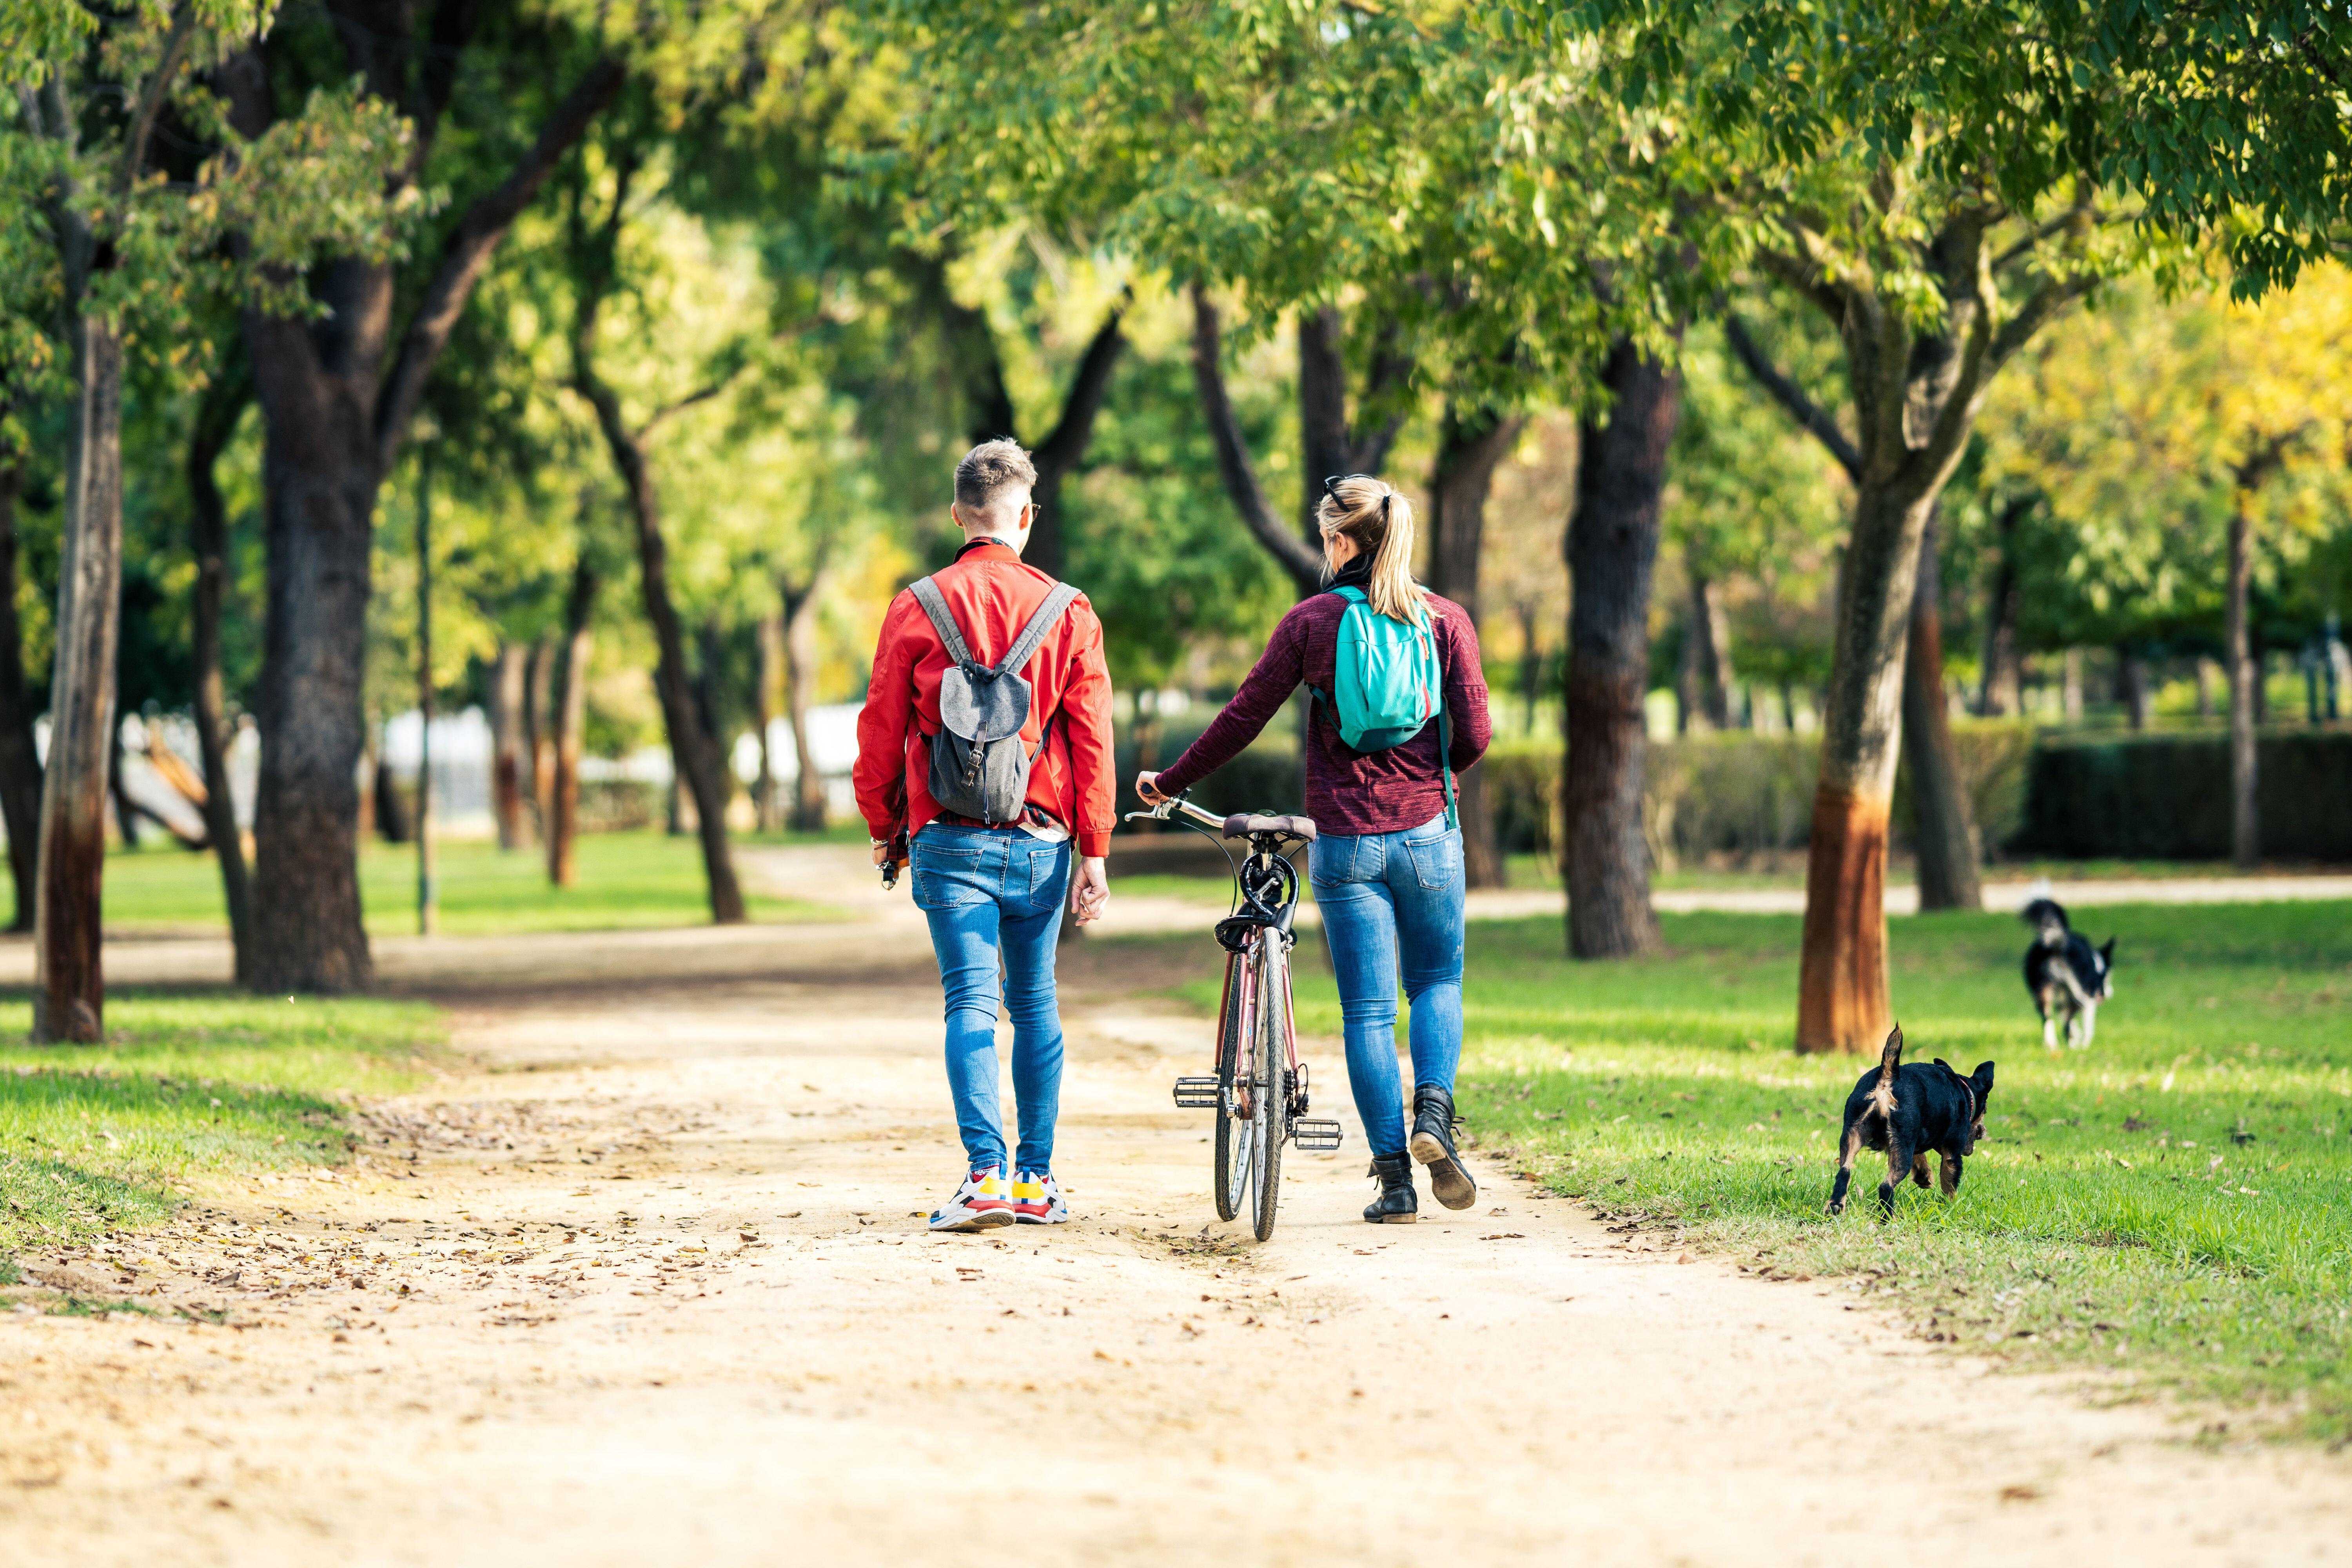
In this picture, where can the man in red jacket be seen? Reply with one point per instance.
(993, 891)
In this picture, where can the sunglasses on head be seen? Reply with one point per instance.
(1331, 483)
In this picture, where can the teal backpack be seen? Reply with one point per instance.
(1386, 684)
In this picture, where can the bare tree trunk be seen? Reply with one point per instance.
(428, 878)
(770, 682)
(1470, 448)
(1612, 545)
(2069, 689)
(20, 760)
(1710, 650)
(539, 755)
(2132, 687)
(216, 423)
(390, 810)
(1530, 661)
(70, 992)
(799, 650)
(1841, 981)
(570, 713)
(507, 727)
(1949, 849)
(2245, 820)
(696, 755)
(2204, 687)
(1997, 692)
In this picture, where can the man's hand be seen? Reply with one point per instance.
(1147, 786)
(881, 853)
(1089, 890)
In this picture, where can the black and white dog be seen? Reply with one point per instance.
(2065, 974)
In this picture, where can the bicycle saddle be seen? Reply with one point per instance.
(1242, 826)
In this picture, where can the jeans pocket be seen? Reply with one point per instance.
(1437, 862)
(1048, 868)
(1333, 860)
(946, 878)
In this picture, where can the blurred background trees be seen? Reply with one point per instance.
(687, 311)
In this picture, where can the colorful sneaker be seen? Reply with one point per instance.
(982, 1202)
(1037, 1199)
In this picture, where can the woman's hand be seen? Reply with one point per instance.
(1147, 786)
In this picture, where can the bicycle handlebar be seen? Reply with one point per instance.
(1240, 825)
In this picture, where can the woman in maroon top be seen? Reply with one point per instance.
(1386, 866)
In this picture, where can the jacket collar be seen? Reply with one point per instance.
(1002, 551)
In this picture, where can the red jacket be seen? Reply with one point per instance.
(992, 595)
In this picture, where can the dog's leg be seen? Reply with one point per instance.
(1919, 1172)
(1899, 1165)
(2090, 1021)
(1947, 1171)
(2049, 1030)
(1849, 1145)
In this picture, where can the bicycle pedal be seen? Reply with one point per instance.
(1315, 1135)
(1199, 1093)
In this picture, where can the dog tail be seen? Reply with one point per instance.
(2048, 917)
(1882, 1094)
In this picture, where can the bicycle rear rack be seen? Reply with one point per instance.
(1314, 1135)
(1199, 1093)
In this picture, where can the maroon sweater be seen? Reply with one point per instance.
(1350, 792)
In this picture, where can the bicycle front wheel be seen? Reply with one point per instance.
(1231, 1168)
(1273, 1091)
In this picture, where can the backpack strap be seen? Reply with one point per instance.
(927, 594)
(1024, 646)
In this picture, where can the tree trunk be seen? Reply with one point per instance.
(1470, 446)
(20, 760)
(1841, 981)
(69, 991)
(770, 681)
(1949, 850)
(2132, 688)
(126, 814)
(1612, 544)
(390, 810)
(216, 423)
(2204, 688)
(1709, 646)
(538, 747)
(1530, 661)
(506, 728)
(693, 752)
(428, 890)
(2069, 689)
(2245, 821)
(1998, 693)
(569, 717)
(799, 651)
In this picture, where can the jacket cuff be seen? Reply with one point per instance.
(1173, 780)
(1094, 846)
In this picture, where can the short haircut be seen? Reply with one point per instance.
(991, 468)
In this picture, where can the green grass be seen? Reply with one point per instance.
(2172, 1206)
(624, 881)
(100, 1138)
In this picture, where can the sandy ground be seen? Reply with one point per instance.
(647, 1286)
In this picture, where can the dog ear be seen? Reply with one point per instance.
(2109, 951)
(1983, 1076)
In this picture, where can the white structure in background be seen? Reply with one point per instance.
(461, 764)
(833, 743)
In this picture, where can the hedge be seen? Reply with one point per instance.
(2168, 796)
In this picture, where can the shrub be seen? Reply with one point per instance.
(2168, 796)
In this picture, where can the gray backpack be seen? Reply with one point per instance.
(978, 767)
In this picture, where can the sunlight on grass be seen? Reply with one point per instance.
(97, 1138)
(2169, 1205)
(626, 880)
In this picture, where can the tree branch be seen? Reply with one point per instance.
(151, 97)
(2046, 302)
(1783, 390)
(1293, 553)
(1060, 451)
(468, 253)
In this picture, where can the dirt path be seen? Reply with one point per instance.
(647, 1289)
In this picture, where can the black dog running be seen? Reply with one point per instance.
(1908, 1112)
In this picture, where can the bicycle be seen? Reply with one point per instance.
(1259, 1089)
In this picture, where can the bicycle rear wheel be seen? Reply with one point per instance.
(1273, 1092)
(1231, 1137)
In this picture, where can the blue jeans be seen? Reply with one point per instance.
(1391, 907)
(996, 896)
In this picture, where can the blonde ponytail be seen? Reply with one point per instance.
(1379, 519)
